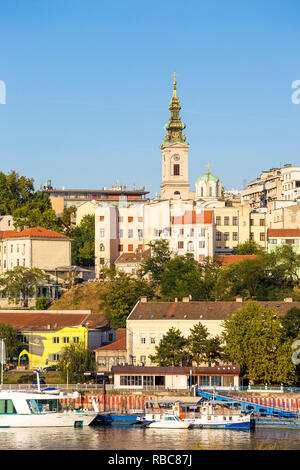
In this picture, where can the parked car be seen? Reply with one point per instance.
(50, 368)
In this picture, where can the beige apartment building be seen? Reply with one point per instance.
(34, 248)
(148, 322)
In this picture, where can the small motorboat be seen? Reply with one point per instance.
(167, 421)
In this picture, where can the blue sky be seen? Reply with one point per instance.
(88, 84)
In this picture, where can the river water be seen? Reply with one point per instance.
(130, 438)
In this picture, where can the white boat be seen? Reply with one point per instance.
(216, 418)
(166, 421)
(23, 409)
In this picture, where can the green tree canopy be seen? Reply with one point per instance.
(10, 337)
(254, 338)
(83, 242)
(249, 247)
(76, 358)
(21, 282)
(122, 295)
(172, 350)
(155, 265)
(15, 191)
(291, 322)
(202, 347)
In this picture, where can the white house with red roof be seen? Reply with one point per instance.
(34, 248)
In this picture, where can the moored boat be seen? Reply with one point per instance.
(167, 421)
(22, 409)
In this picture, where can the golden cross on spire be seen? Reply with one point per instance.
(208, 167)
(174, 75)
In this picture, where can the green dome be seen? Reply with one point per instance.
(208, 177)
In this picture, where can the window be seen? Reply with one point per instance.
(65, 339)
(130, 233)
(7, 407)
(102, 233)
(262, 222)
(148, 380)
(204, 380)
(101, 218)
(262, 237)
(101, 361)
(130, 219)
(218, 220)
(202, 244)
(56, 339)
(120, 361)
(55, 357)
(11, 248)
(140, 233)
(152, 339)
(143, 359)
(130, 247)
(101, 260)
(76, 339)
(218, 236)
(140, 219)
(176, 169)
(226, 236)
(226, 220)
(235, 236)
(215, 380)
(120, 247)
(251, 235)
(234, 220)
(101, 247)
(180, 245)
(131, 380)
(143, 340)
(120, 233)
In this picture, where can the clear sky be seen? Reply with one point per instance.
(88, 85)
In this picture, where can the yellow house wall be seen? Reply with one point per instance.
(136, 329)
(42, 346)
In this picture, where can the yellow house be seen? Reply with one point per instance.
(45, 333)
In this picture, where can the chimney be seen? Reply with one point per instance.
(144, 299)
(239, 299)
(185, 299)
(288, 299)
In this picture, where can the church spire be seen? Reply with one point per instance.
(174, 127)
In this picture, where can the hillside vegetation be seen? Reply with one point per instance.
(85, 296)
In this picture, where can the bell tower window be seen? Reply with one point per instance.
(176, 169)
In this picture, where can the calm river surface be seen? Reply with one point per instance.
(128, 438)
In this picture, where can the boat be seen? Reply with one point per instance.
(23, 409)
(207, 415)
(167, 421)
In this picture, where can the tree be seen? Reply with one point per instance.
(83, 242)
(122, 295)
(155, 265)
(291, 322)
(182, 278)
(36, 211)
(249, 247)
(172, 350)
(286, 261)
(21, 282)
(15, 191)
(254, 338)
(76, 359)
(10, 337)
(202, 348)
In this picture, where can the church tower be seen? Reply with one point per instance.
(175, 182)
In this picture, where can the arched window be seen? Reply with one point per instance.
(101, 247)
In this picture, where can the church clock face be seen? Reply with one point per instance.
(176, 158)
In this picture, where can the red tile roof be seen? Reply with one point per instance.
(284, 232)
(35, 232)
(119, 345)
(41, 321)
(133, 257)
(227, 259)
